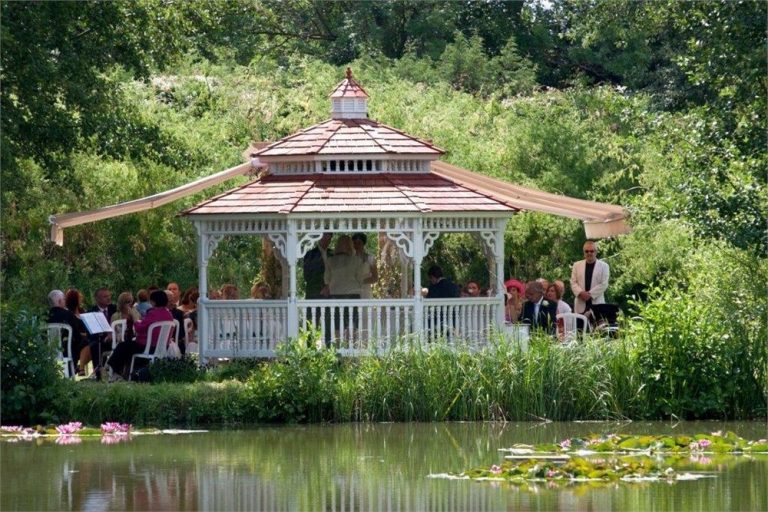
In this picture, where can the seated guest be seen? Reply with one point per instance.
(143, 305)
(73, 301)
(58, 314)
(514, 306)
(440, 287)
(229, 292)
(555, 295)
(189, 300)
(472, 289)
(260, 291)
(175, 292)
(126, 311)
(120, 360)
(537, 311)
(179, 316)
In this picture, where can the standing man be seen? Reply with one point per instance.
(314, 280)
(314, 268)
(101, 343)
(371, 272)
(589, 279)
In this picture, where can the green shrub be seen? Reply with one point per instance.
(299, 386)
(31, 377)
(236, 369)
(185, 369)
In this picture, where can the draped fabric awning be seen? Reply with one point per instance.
(600, 220)
(67, 220)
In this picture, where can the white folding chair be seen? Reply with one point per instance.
(55, 334)
(164, 335)
(570, 323)
(118, 336)
(189, 330)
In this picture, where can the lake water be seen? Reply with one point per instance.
(349, 467)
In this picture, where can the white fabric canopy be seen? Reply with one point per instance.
(600, 220)
(66, 220)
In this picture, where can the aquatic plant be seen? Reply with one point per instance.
(73, 427)
(616, 457)
(115, 428)
(715, 442)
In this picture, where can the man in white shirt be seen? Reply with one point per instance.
(589, 279)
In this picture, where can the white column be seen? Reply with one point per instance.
(202, 282)
(291, 245)
(498, 250)
(418, 300)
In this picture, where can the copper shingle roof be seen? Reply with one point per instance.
(337, 193)
(349, 137)
(349, 88)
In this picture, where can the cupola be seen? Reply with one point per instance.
(349, 100)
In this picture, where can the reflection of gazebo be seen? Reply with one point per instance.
(352, 174)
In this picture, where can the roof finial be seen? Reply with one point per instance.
(349, 73)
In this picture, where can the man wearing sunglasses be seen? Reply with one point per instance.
(589, 279)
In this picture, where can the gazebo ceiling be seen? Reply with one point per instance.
(347, 193)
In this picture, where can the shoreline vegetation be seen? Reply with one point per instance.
(596, 379)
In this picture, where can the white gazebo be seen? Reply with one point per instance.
(345, 175)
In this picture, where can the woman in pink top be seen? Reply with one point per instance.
(121, 357)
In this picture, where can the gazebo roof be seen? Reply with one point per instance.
(329, 193)
(349, 88)
(349, 137)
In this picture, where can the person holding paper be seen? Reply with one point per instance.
(102, 342)
(121, 356)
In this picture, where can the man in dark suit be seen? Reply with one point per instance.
(101, 343)
(538, 312)
(440, 287)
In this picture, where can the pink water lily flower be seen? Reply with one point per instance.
(113, 427)
(496, 470)
(703, 443)
(69, 428)
(12, 429)
(565, 444)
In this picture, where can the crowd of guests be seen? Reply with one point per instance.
(150, 305)
(345, 272)
(537, 303)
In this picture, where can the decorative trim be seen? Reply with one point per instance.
(403, 241)
(210, 242)
(278, 240)
(490, 240)
(429, 240)
(307, 241)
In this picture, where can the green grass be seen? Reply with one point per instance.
(593, 380)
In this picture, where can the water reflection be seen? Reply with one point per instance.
(347, 467)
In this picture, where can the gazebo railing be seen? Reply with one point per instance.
(357, 327)
(253, 328)
(244, 328)
(467, 319)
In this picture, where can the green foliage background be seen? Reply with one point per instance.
(655, 105)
